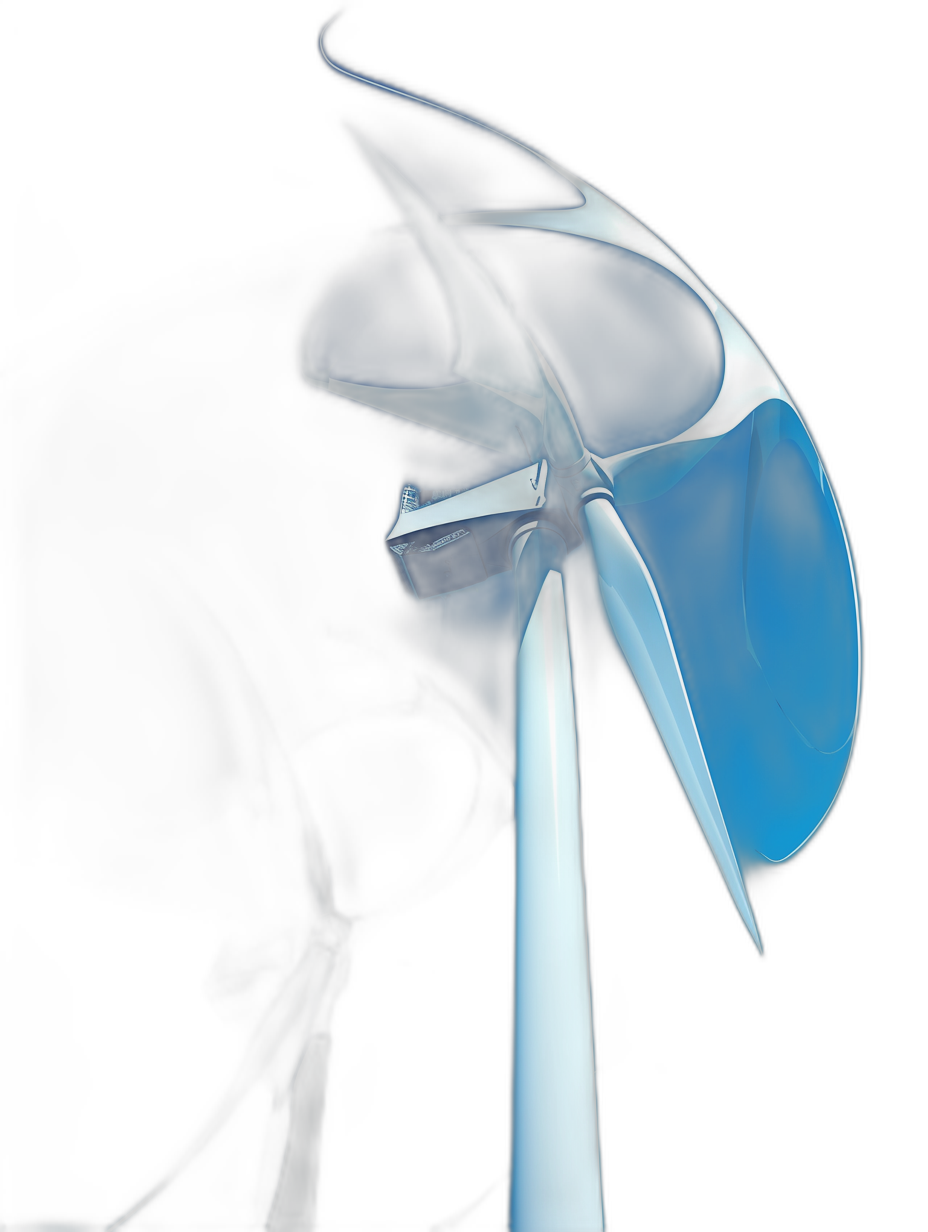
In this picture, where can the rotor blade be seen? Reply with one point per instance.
(637, 618)
(492, 349)
(746, 549)
(462, 409)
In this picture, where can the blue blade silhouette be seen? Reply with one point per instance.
(749, 557)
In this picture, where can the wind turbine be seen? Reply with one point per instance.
(727, 579)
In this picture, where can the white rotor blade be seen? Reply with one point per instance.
(637, 618)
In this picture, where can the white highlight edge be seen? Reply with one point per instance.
(556, 1168)
(643, 636)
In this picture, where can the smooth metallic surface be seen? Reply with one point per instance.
(556, 1184)
(523, 490)
(492, 349)
(637, 618)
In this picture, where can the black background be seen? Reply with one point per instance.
(179, 198)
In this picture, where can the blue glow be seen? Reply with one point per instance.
(749, 558)
(798, 591)
(555, 1156)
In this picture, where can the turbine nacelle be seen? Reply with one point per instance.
(461, 540)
